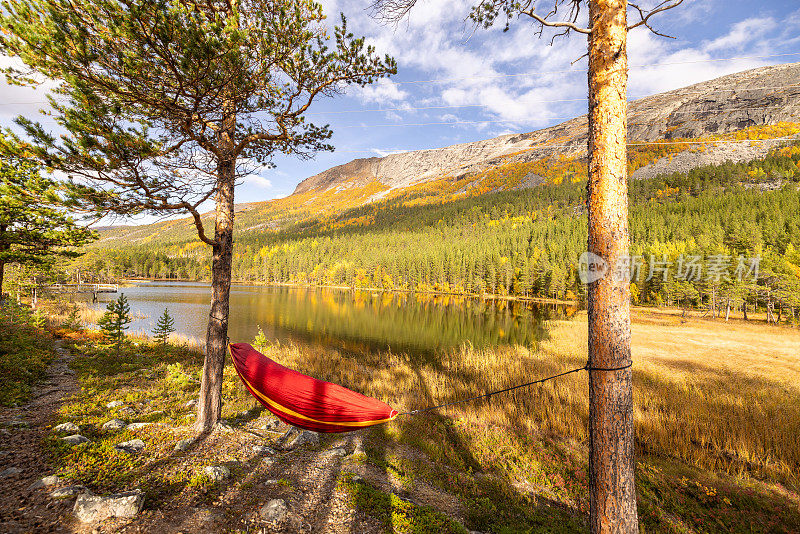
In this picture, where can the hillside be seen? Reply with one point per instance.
(720, 106)
(756, 104)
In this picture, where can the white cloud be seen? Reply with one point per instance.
(742, 33)
(384, 90)
(258, 181)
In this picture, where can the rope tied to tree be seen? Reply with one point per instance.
(586, 367)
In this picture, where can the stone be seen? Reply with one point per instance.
(115, 404)
(76, 439)
(114, 424)
(72, 428)
(275, 511)
(271, 424)
(191, 404)
(223, 427)
(217, 473)
(184, 444)
(90, 508)
(338, 452)
(137, 426)
(69, 491)
(294, 437)
(263, 449)
(45, 482)
(10, 472)
(131, 447)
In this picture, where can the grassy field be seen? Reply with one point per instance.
(717, 415)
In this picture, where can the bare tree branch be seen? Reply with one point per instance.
(645, 15)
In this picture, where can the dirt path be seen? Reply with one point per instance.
(22, 430)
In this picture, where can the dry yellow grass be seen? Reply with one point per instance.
(717, 395)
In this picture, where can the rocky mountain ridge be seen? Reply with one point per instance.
(761, 96)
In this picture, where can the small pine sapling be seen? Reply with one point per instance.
(115, 321)
(164, 327)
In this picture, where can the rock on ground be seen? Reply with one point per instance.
(137, 426)
(338, 452)
(76, 439)
(69, 491)
(72, 428)
(44, 482)
(115, 404)
(295, 437)
(10, 472)
(274, 511)
(90, 508)
(263, 449)
(217, 473)
(184, 444)
(114, 424)
(132, 446)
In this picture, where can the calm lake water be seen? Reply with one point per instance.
(401, 322)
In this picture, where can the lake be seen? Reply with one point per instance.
(350, 320)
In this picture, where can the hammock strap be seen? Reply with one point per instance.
(586, 367)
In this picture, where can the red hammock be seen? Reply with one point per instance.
(302, 401)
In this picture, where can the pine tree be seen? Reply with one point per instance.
(164, 327)
(115, 321)
(145, 87)
(35, 228)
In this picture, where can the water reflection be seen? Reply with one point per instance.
(419, 324)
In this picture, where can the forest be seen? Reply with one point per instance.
(526, 243)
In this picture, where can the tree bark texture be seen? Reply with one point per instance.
(209, 404)
(611, 433)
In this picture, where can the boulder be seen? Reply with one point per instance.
(223, 427)
(131, 447)
(263, 449)
(76, 439)
(295, 437)
(115, 404)
(184, 444)
(69, 491)
(217, 473)
(71, 428)
(10, 472)
(275, 511)
(89, 508)
(338, 452)
(137, 426)
(114, 424)
(45, 482)
(191, 404)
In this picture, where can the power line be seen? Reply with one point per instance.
(513, 121)
(565, 71)
(634, 99)
(519, 74)
(521, 149)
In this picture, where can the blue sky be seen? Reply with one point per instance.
(499, 82)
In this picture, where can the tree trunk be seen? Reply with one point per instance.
(209, 405)
(744, 309)
(727, 309)
(2, 274)
(611, 456)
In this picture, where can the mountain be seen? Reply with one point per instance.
(762, 96)
(675, 131)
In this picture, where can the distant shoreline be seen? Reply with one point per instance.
(490, 296)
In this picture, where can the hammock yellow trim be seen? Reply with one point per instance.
(291, 412)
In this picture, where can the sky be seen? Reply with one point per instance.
(475, 84)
